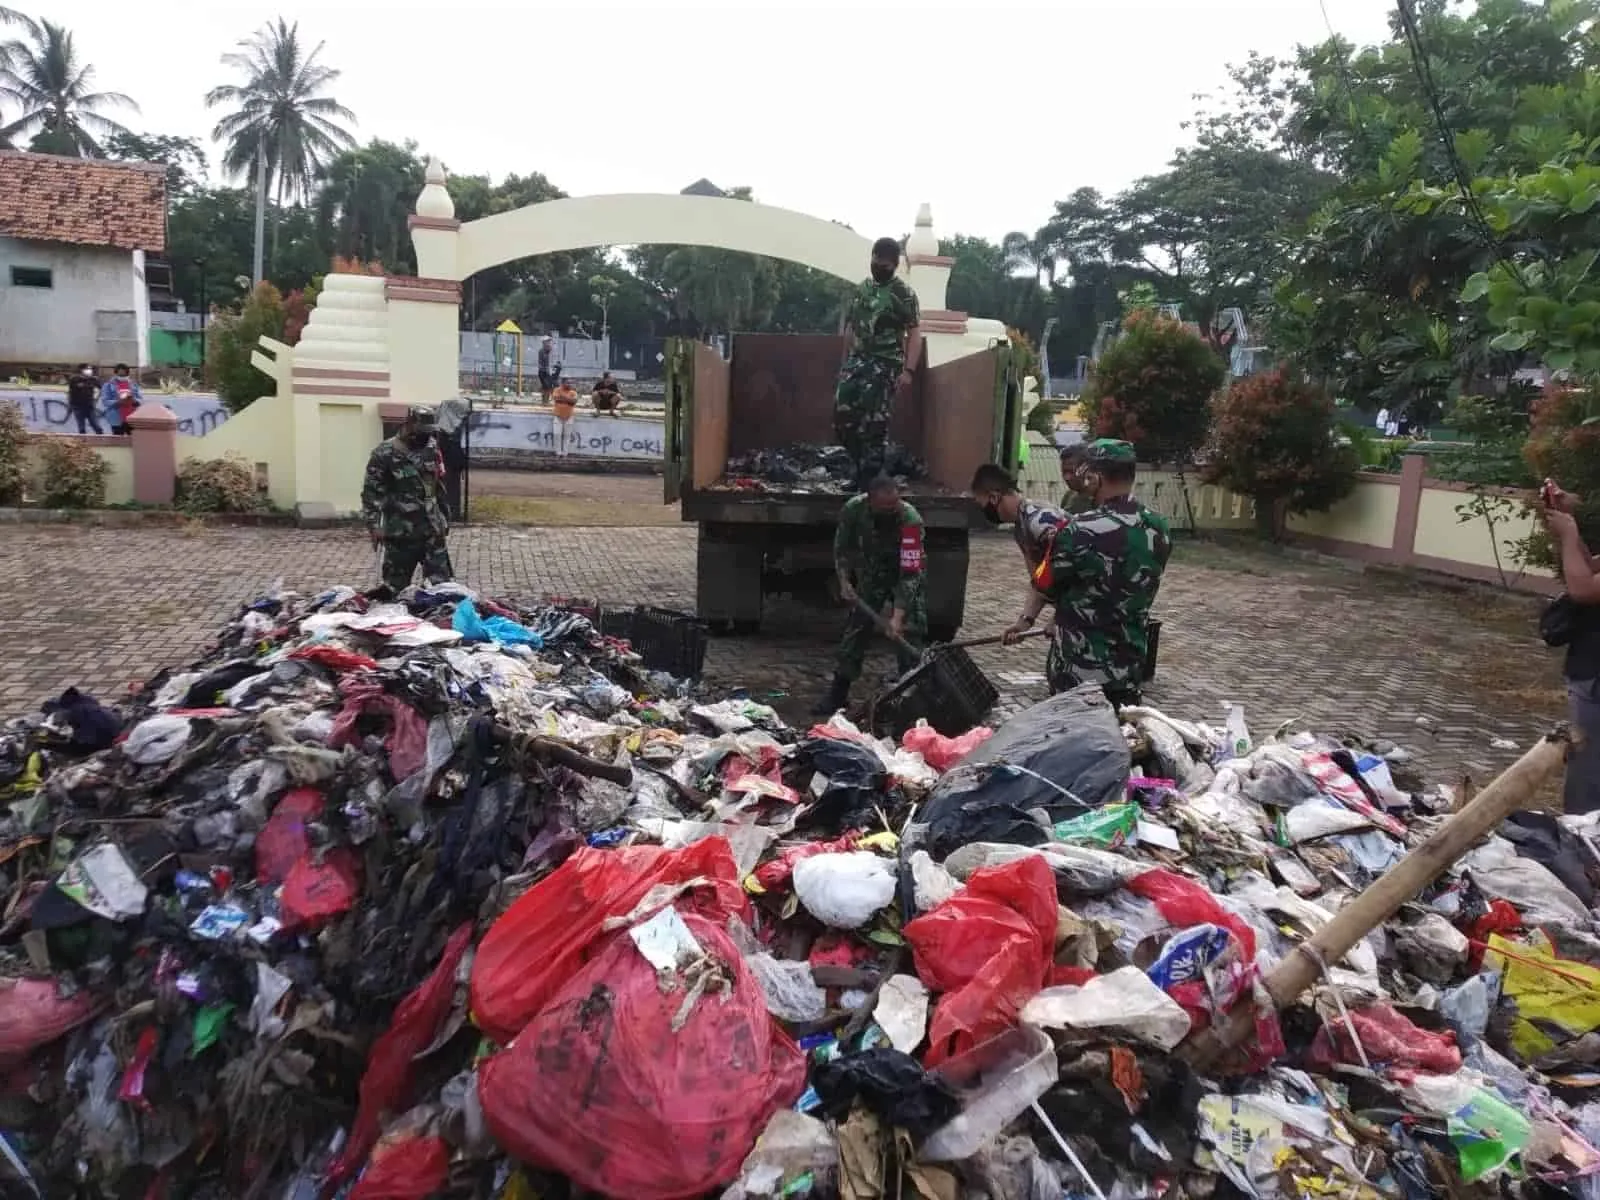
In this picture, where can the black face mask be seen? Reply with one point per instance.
(418, 441)
(991, 511)
(881, 273)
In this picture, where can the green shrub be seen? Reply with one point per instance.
(231, 339)
(14, 439)
(1153, 388)
(1274, 440)
(218, 485)
(72, 474)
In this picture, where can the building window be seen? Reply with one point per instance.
(34, 277)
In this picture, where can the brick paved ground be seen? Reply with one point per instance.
(1344, 651)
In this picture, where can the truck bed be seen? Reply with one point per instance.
(940, 507)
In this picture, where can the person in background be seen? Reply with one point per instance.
(995, 491)
(1102, 573)
(879, 557)
(549, 368)
(83, 399)
(402, 503)
(1580, 574)
(1076, 498)
(119, 397)
(564, 400)
(885, 346)
(606, 394)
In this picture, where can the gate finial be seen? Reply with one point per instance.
(434, 200)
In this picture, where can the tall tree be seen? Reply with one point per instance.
(183, 157)
(279, 113)
(1035, 253)
(367, 195)
(42, 75)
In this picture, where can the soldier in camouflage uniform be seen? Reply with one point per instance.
(1102, 573)
(1034, 527)
(884, 348)
(1075, 499)
(402, 504)
(880, 559)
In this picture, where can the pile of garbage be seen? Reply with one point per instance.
(443, 896)
(807, 468)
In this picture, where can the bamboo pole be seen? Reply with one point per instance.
(1514, 788)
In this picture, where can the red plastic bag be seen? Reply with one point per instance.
(600, 1087)
(988, 949)
(940, 752)
(778, 872)
(411, 1168)
(314, 893)
(334, 658)
(283, 842)
(544, 937)
(407, 742)
(1186, 903)
(1389, 1040)
(34, 1013)
(387, 1078)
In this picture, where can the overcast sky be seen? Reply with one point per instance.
(855, 110)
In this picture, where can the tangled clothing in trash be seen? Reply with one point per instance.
(449, 896)
(807, 468)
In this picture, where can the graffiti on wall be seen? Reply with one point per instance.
(47, 412)
(591, 436)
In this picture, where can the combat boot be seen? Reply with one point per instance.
(837, 696)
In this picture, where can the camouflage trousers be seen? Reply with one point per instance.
(862, 401)
(858, 634)
(402, 557)
(1069, 664)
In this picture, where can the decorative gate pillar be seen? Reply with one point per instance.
(424, 313)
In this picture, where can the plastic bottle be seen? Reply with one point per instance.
(1238, 732)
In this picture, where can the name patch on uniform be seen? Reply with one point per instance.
(911, 549)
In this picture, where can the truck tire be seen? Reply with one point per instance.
(728, 580)
(947, 582)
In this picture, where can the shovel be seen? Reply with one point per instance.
(945, 687)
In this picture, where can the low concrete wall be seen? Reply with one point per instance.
(116, 451)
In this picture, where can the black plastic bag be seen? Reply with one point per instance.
(856, 779)
(890, 1083)
(1071, 743)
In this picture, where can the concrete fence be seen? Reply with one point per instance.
(1406, 520)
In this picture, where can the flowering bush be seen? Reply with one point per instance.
(218, 485)
(1273, 439)
(1153, 388)
(1563, 445)
(13, 440)
(72, 475)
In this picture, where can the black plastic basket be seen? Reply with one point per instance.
(1152, 648)
(668, 641)
(947, 691)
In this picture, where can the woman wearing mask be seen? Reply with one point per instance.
(1573, 621)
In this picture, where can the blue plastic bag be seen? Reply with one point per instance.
(475, 628)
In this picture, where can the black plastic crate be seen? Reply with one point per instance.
(668, 641)
(949, 692)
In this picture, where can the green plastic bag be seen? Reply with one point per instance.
(1109, 826)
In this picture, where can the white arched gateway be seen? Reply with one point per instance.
(381, 342)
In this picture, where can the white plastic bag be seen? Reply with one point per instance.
(844, 891)
(1126, 1001)
(156, 739)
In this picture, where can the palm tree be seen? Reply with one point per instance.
(1031, 252)
(41, 74)
(281, 124)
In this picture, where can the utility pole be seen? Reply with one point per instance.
(261, 213)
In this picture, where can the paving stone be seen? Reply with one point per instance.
(1340, 651)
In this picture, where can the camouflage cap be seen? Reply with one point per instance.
(1110, 450)
(419, 416)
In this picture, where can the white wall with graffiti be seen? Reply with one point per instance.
(46, 411)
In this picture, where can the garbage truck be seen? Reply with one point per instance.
(771, 391)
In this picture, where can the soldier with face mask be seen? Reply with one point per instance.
(995, 491)
(885, 345)
(403, 505)
(880, 560)
(1102, 572)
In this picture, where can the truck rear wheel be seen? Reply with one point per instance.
(728, 578)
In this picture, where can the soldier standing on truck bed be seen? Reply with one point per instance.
(1102, 572)
(879, 556)
(885, 345)
(401, 503)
